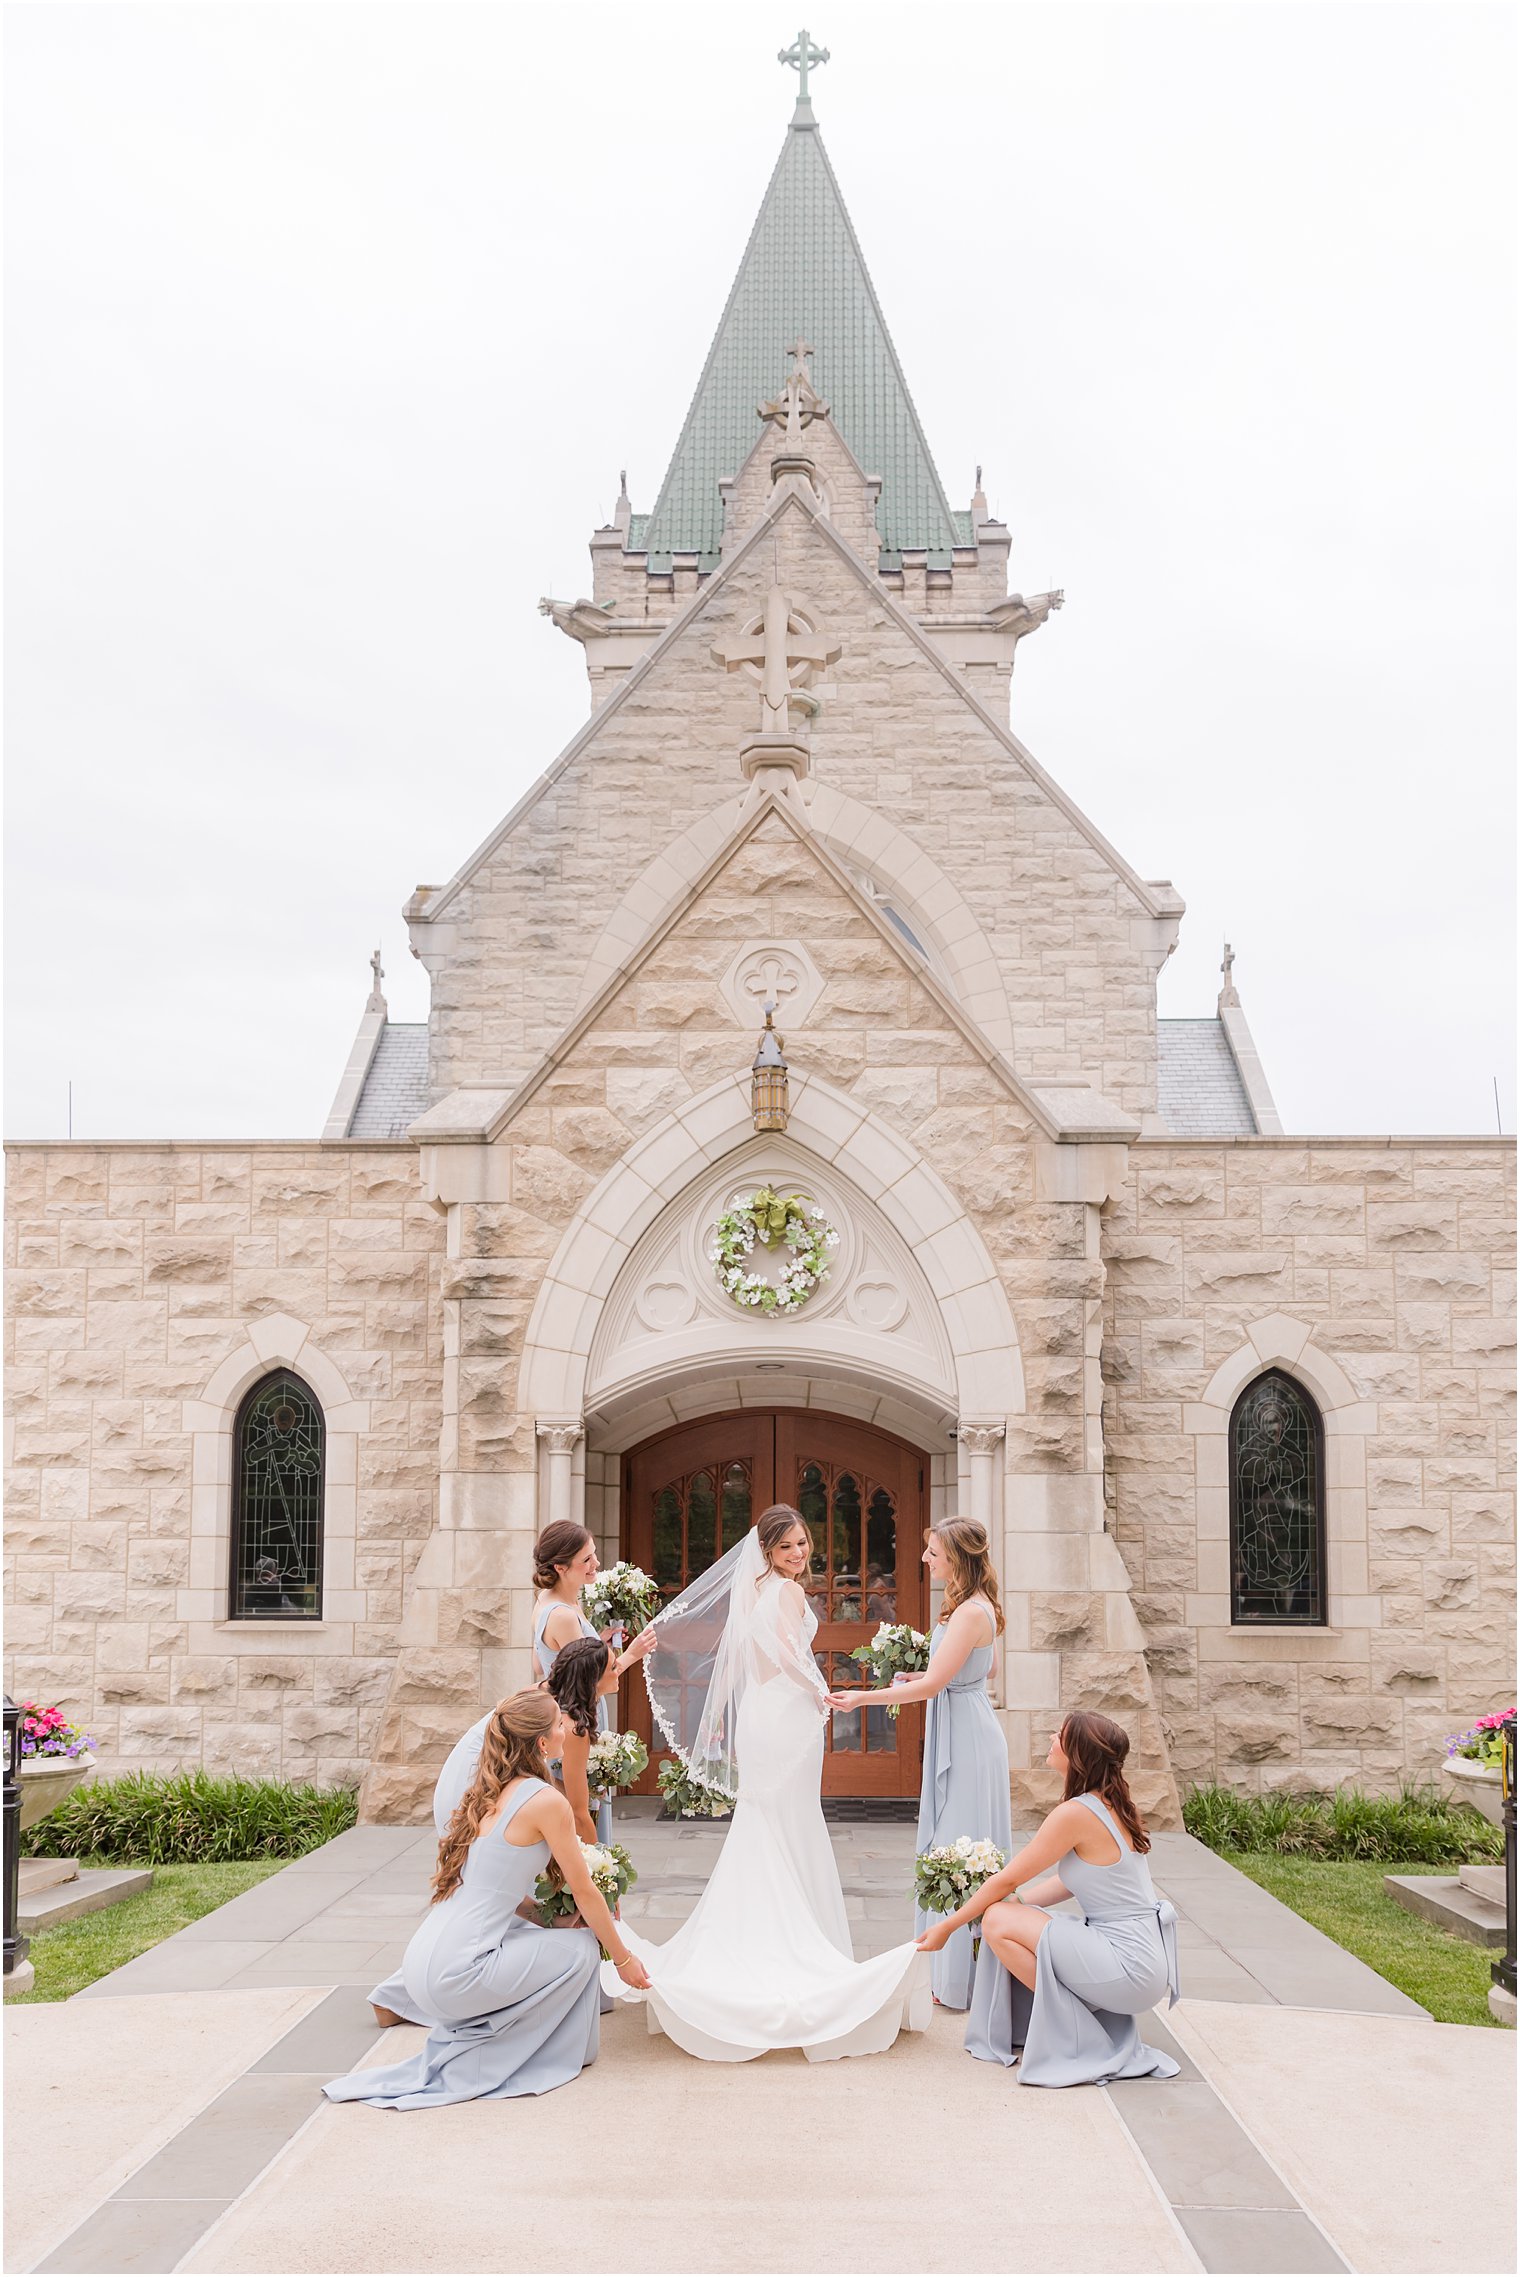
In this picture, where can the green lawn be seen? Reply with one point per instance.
(77, 1952)
(1348, 1902)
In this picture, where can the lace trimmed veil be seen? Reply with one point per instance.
(723, 1633)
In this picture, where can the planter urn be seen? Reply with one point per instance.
(46, 1780)
(1478, 1784)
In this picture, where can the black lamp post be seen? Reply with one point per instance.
(1504, 1967)
(15, 1944)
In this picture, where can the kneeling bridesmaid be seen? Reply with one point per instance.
(1056, 1996)
(514, 2005)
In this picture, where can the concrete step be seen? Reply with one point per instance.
(35, 1874)
(1442, 1899)
(91, 1888)
(1485, 1882)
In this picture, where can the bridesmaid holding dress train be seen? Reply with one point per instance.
(514, 2005)
(965, 1785)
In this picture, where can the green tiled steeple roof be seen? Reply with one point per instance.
(802, 275)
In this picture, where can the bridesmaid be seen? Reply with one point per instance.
(965, 1785)
(515, 2005)
(564, 1560)
(583, 1675)
(1064, 1993)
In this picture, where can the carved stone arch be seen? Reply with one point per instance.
(277, 1341)
(859, 1150)
(859, 837)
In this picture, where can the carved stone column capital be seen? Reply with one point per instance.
(561, 1438)
(981, 1438)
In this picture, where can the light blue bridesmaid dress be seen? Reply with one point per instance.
(454, 1782)
(514, 2006)
(965, 1791)
(1092, 1979)
(544, 1657)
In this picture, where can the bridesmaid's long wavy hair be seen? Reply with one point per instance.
(513, 1748)
(578, 1670)
(972, 1572)
(1095, 1748)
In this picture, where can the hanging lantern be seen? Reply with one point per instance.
(768, 1079)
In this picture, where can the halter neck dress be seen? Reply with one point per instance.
(965, 1791)
(544, 1657)
(1092, 1979)
(514, 2007)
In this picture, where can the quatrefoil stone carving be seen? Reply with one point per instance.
(772, 972)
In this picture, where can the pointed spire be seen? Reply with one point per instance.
(802, 277)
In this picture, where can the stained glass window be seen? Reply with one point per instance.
(1277, 1501)
(277, 1503)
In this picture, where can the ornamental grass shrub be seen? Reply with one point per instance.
(1417, 1826)
(147, 1819)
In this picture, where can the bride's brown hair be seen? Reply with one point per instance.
(772, 1526)
(972, 1572)
(511, 1749)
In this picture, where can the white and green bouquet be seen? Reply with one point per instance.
(686, 1797)
(615, 1759)
(944, 1877)
(895, 1650)
(611, 1869)
(621, 1597)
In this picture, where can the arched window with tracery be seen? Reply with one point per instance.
(1277, 1505)
(278, 1461)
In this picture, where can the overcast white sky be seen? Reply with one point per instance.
(329, 327)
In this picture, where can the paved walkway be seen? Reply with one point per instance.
(1217, 2169)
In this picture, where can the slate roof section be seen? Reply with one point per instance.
(1198, 1088)
(395, 1090)
(802, 274)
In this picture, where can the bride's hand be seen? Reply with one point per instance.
(936, 1939)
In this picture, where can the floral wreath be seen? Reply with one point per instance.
(764, 1219)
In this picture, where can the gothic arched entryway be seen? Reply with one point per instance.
(691, 1493)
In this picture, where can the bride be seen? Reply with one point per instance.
(764, 1961)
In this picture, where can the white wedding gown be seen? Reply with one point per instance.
(764, 1961)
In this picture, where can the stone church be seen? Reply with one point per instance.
(1236, 1404)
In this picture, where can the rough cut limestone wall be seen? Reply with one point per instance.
(133, 1273)
(1072, 943)
(1387, 1268)
(669, 1034)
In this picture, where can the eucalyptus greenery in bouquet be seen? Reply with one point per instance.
(895, 1650)
(686, 1797)
(615, 1759)
(944, 1877)
(611, 1869)
(622, 1596)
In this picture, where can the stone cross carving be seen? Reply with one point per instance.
(802, 55)
(376, 997)
(1228, 994)
(784, 651)
(772, 978)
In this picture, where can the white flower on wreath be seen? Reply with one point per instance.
(806, 1233)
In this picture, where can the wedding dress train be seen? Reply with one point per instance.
(764, 1960)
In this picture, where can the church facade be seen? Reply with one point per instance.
(1236, 1405)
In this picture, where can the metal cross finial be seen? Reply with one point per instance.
(802, 55)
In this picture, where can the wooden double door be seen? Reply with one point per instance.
(693, 1493)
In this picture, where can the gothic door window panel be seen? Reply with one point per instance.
(1277, 1503)
(696, 1491)
(861, 1494)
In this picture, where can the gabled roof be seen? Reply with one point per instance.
(1070, 1113)
(1199, 1093)
(802, 276)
